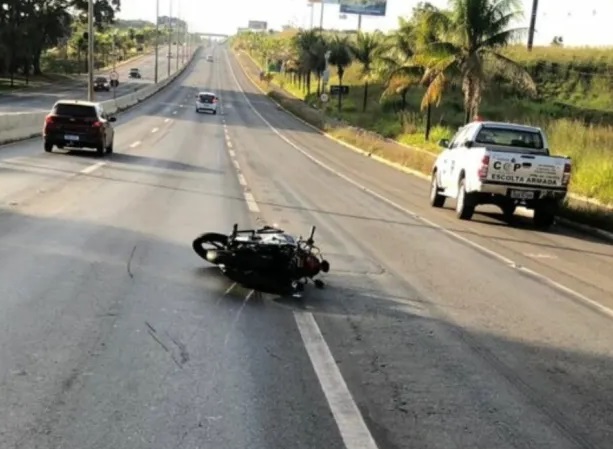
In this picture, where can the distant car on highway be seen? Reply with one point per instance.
(207, 101)
(209, 58)
(101, 83)
(78, 124)
(135, 73)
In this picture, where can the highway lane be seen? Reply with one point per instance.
(36, 100)
(578, 261)
(113, 334)
(442, 344)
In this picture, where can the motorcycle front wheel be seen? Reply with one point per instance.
(208, 242)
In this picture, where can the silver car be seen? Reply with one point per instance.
(207, 102)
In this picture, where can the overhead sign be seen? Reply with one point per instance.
(257, 25)
(364, 7)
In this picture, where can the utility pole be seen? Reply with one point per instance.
(179, 26)
(90, 50)
(114, 37)
(535, 6)
(157, 41)
(359, 22)
(169, 37)
(321, 16)
(310, 5)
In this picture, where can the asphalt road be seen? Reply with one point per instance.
(43, 99)
(115, 335)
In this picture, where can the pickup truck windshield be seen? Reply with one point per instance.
(510, 137)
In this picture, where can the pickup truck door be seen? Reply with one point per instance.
(450, 158)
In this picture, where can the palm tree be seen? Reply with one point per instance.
(399, 64)
(469, 37)
(311, 48)
(340, 56)
(366, 50)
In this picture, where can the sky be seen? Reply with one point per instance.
(580, 23)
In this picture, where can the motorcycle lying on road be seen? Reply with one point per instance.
(267, 260)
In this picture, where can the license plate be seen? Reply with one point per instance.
(522, 194)
(71, 137)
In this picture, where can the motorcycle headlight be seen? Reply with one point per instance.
(211, 255)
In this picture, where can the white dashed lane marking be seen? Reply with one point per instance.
(154, 130)
(135, 144)
(92, 168)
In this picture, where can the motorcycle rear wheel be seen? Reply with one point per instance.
(209, 241)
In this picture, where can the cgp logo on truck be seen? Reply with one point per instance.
(506, 171)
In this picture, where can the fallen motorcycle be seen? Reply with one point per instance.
(267, 260)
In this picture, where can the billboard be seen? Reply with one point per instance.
(364, 7)
(257, 25)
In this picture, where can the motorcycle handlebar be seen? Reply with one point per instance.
(312, 234)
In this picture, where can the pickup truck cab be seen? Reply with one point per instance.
(503, 164)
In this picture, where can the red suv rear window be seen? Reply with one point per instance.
(75, 110)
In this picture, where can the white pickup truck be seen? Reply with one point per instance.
(503, 164)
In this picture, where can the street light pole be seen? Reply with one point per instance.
(169, 37)
(178, 35)
(157, 40)
(90, 50)
(321, 16)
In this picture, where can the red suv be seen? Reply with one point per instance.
(79, 124)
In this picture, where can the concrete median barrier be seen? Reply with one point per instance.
(26, 125)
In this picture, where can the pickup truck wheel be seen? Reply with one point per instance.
(465, 206)
(544, 215)
(436, 199)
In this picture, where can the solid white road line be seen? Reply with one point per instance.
(493, 254)
(92, 168)
(346, 413)
(135, 144)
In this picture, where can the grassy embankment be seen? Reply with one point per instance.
(574, 106)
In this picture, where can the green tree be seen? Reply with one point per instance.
(341, 57)
(469, 38)
(367, 48)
